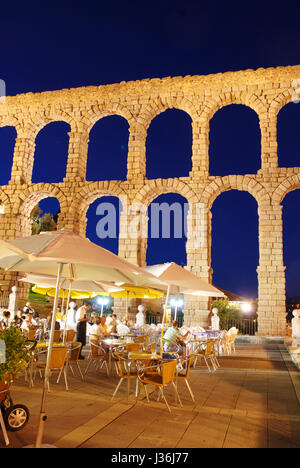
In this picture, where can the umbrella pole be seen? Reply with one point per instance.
(126, 307)
(164, 320)
(67, 312)
(43, 416)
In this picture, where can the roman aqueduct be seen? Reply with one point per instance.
(265, 91)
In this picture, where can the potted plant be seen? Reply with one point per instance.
(15, 357)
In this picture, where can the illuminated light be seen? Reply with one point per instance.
(102, 301)
(246, 307)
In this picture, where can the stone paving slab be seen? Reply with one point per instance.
(237, 406)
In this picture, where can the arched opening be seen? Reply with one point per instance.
(35, 207)
(51, 153)
(45, 215)
(167, 230)
(8, 137)
(108, 148)
(235, 248)
(288, 129)
(169, 145)
(234, 141)
(103, 222)
(291, 248)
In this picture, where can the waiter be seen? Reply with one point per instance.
(81, 320)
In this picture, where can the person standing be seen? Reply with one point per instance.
(81, 321)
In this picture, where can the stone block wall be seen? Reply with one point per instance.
(265, 91)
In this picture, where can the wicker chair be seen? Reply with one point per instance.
(73, 357)
(185, 372)
(160, 377)
(57, 363)
(122, 369)
(133, 347)
(206, 350)
(98, 356)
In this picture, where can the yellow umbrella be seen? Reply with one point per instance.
(134, 292)
(63, 293)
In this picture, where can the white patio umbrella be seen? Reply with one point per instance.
(66, 255)
(69, 285)
(182, 281)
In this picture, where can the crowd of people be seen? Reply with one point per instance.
(86, 323)
(28, 319)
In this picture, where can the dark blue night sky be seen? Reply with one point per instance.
(66, 45)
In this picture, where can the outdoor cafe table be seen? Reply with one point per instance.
(111, 344)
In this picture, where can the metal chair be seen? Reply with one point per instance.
(57, 363)
(124, 372)
(73, 357)
(98, 356)
(160, 376)
(185, 372)
(206, 350)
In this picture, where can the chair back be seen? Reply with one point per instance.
(186, 367)
(168, 371)
(57, 336)
(121, 366)
(70, 335)
(152, 347)
(140, 339)
(75, 351)
(209, 348)
(133, 347)
(95, 348)
(58, 357)
(31, 334)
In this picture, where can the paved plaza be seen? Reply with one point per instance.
(252, 401)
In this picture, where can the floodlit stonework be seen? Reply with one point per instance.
(265, 91)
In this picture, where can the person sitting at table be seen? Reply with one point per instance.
(28, 323)
(112, 326)
(173, 341)
(18, 320)
(6, 319)
(93, 318)
(96, 330)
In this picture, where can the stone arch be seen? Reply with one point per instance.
(223, 99)
(109, 136)
(161, 103)
(55, 131)
(99, 111)
(166, 220)
(232, 182)
(88, 195)
(287, 185)
(161, 186)
(169, 144)
(36, 121)
(29, 199)
(238, 232)
(279, 102)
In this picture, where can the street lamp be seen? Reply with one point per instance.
(103, 302)
(176, 303)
